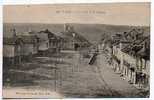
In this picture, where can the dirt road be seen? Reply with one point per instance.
(74, 77)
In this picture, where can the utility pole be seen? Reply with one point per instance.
(73, 34)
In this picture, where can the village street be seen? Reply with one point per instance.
(70, 75)
(56, 51)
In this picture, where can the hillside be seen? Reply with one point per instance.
(92, 32)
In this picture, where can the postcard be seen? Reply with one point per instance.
(96, 50)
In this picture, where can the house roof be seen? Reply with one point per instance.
(50, 34)
(141, 40)
(136, 47)
(132, 34)
(11, 40)
(137, 31)
(42, 37)
(144, 53)
(76, 37)
(29, 39)
(123, 37)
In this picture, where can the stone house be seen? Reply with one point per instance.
(19, 48)
(12, 49)
(30, 46)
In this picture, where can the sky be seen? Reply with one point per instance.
(107, 13)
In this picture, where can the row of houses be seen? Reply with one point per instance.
(22, 46)
(128, 53)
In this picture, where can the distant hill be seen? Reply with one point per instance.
(92, 32)
(25, 27)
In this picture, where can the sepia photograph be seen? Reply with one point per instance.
(97, 50)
